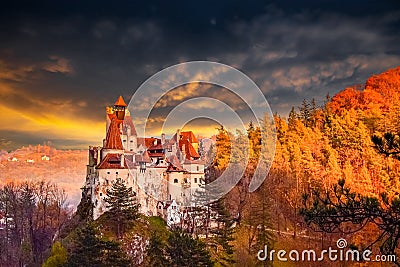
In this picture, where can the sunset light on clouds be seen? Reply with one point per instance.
(61, 66)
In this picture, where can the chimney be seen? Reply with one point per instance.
(98, 155)
(162, 138)
(122, 160)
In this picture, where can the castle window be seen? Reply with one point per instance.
(175, 181)
(131, 149)
(195, 180)
(108, 172)
(101, 194)
(124, 141)
(197, 168)
(131, 141)
(116, 172)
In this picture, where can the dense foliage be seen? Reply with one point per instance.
(318, 148)
(31, 215)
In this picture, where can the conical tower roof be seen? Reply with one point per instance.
(120, 102)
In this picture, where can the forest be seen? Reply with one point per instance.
(335, 174)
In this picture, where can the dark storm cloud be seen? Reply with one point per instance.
(78, 57)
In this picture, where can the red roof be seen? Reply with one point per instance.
(113, 138)
(120, 102)
(112, 161)
(189, 149)
(147, 141)
(174, 164)
(189, 136)
(156, 147)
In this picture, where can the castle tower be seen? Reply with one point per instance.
(170, 168)
(119, 108)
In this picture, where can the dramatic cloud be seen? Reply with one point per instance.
(60, 66)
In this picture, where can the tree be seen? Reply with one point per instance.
(183, 250)
(86, 249)
(329, 211)
(58, 257)
(260, 221)
(388, 145)
(222, 233)
(293, 116)
(305, 113)
(122, 205)
(33, 214)
(90, 250)
(255, 232)
(223, 153)
(254, 136)
(156, 252)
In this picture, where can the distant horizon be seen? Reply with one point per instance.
(61, 65)
(84, 147)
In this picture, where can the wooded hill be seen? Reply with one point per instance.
(326, 149)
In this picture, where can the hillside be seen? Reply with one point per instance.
(66, 168)
(316, 148)
(381, 92)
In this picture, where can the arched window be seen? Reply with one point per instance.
(175, 181)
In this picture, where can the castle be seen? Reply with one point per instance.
(164, 173)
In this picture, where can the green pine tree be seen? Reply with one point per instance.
(123, 208)
(156, 252)
(223, 233)
(86, 249)
(183, 250)
(90, 250)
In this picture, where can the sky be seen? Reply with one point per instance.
(62, 62)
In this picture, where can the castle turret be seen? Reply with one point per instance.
(119, 108)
